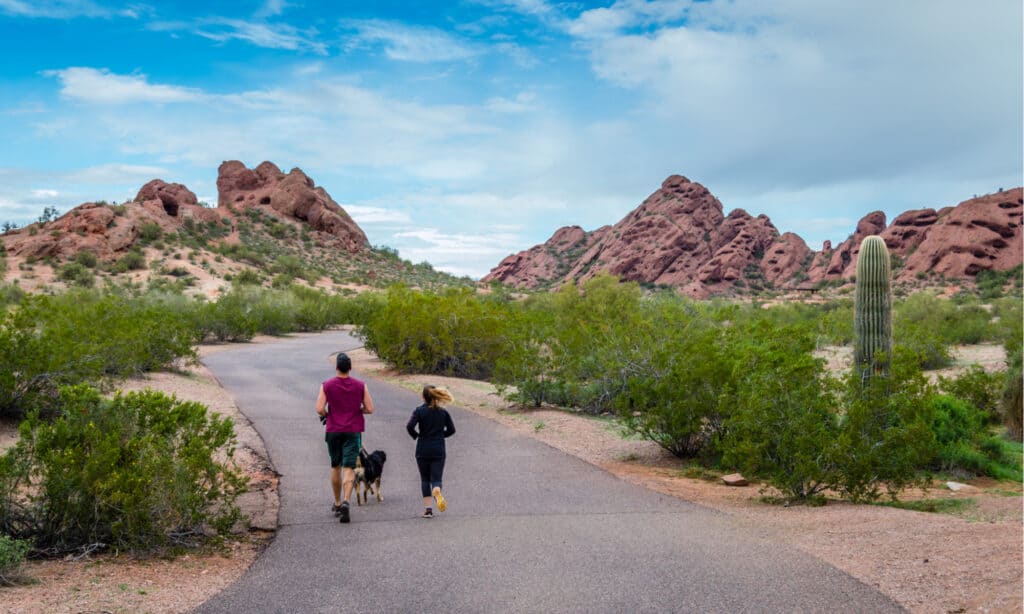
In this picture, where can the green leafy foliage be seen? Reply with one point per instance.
(77, 274)
(453, 333)
(134, 260)
(84, 336)
(784, 426)
(86, 259)
(884, 436)
(12, 555)
(979, 388)
(137, 473)
(150, 232)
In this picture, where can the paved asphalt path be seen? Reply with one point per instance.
(528, 528)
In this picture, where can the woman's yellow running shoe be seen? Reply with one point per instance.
(441, 505)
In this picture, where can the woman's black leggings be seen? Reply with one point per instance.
(431, 470)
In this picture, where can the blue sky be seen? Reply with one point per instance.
(459, 132)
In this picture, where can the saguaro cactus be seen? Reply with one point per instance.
(873, 308)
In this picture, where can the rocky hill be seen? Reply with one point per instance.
(266, 224)
(681, 237)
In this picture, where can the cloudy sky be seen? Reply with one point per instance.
(461, 131)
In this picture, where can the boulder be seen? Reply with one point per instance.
(734, 479)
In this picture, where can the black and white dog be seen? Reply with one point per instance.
(369, 468)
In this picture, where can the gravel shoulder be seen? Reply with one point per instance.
(968, 562)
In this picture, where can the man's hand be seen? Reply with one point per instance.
(323, 419)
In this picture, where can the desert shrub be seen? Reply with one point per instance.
(10, 294)
(247, 277)
(358, 309)
(137, 473)
(83, 336)
(150, 232)
(282, 281)
(273, 312)
(923, 343)
(12, 555)
(1011, 405)
(131, 261)
(784, 427)
(227, 319)
(948, 321)
(990, 283)
(290, 265)
(76, 274)
(454, 333)
(884, 435)
(679, 398)
(979, 388)
(86, 259)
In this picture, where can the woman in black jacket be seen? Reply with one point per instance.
(435, 424)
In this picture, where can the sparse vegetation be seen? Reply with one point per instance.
(136, 473)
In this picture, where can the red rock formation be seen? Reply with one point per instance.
(545, 262)
(978, 234)
(665, 240)
(96, 227)
(785, 259)
(293, 195)
(678, 236)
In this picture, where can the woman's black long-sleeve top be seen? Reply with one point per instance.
(435, 424)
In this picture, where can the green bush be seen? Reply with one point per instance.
(150, 232)
(924, 343)
(885, 436)
(679, 396)
(1011, 406)
(85, 336)
(227, 319)
(12, 555)
(784, 427)
(247, 277)
(137, 473)
(134, 260)
(981, 389)
(77, 274)
(10, 294)
(291, 266)
(949, 322)
(453, 333)
(990, 283)
(86, 259)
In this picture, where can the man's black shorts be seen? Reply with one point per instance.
(343, 448)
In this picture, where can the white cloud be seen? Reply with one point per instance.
(117, 174)
(797, 93)
(261, 34)
(457, 253)
(53, 9)
(44, 194)
(102, 86)
(522, 103)
(410, 44)
(376, 215)
(271, 8)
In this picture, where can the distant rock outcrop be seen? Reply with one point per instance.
(680, 237)
(107, 230)
(293, 195)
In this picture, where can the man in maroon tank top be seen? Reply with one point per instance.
(342, 403)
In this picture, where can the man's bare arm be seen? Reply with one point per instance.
(367, 401)
(321, 402)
